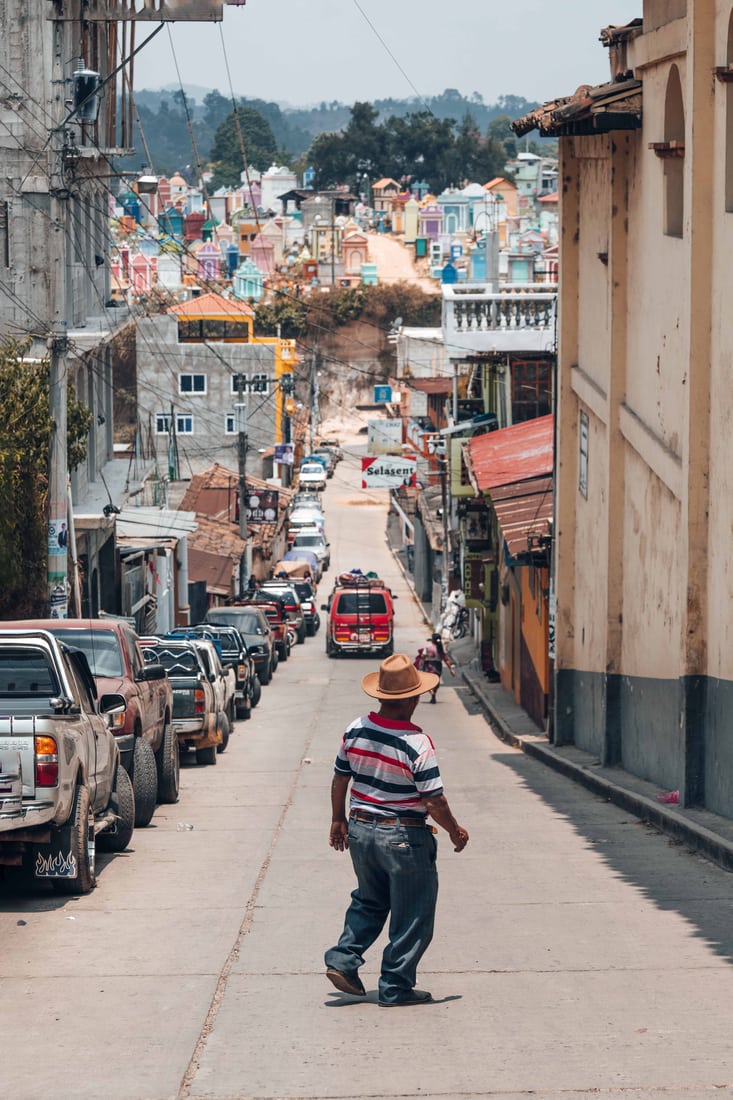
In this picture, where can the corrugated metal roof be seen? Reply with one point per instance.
(431, 385)
(216, 571)
(523, 508)
(511, 454)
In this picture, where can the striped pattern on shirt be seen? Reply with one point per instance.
(392, 765)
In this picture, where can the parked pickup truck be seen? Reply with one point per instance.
(222, 678)
(148, 746)
(197, 722)
(234, 654)
(62, 786)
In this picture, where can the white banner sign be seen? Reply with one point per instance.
(387, 472)
(385, 437)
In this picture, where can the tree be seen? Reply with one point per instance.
(25, 435)
(260, 147)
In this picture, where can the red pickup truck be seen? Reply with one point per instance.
(144, 733)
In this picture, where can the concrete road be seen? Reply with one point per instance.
(577, 953)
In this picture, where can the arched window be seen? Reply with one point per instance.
(674, 163)
(729, 124)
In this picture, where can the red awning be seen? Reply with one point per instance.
(511, 454)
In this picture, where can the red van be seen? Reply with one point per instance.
(360, 616)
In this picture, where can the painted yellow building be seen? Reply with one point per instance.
(644, 585)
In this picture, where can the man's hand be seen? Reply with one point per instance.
(459, 838)
(339, 836)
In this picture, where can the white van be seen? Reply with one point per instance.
(312, 475)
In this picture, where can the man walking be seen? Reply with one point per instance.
(395, 784)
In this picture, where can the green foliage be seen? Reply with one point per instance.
(408, 147)
(164, 123)
(226, 152)
(307, 318)
(25, 434)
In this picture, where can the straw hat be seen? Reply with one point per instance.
(398, 678)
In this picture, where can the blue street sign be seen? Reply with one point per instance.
(382, 394)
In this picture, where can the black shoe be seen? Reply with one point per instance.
(346, 983)
(414, 997)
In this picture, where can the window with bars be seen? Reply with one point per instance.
(162, 424)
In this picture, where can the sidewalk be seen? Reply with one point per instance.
(700, 830)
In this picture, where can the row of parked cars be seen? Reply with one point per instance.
(94, 719)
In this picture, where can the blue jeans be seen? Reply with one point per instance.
(397, 877)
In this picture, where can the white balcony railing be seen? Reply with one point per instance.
(480, 318)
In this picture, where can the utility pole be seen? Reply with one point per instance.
(443, 460)
(245, 567)
(58, 474)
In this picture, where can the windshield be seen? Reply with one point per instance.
(246, 621)
(25, 671)
(100, 647)
(312, 468)
(309, 540)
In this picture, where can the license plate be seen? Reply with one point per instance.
(364, 638)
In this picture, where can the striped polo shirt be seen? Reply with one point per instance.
(392, 766)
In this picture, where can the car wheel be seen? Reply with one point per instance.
(388, 650)
(283, 651)
(301, 634)
(79, 840)
(168, 763)
(123, 802)
(266, 674)
(244, 708)
(207, 755)
(310, 629)
(331, 650)
(274, 660)
(222, 724)
(256, 690)
(144, 782)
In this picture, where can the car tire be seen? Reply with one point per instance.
(244, 709)
(301, 634)
(331, 650)
(207, 755)
(283, 651)
(274, 660)
(144, 782)
(123, 800)
(256, 690)
(266, 674)
(222, 724)
(388, 650)
(310, 629)
(79, 832)
(168, 763)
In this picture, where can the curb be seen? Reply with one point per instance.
(693, 835)
(671, 823)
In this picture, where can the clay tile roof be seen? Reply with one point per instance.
(215, 570)
(590, 110)
(211, 305)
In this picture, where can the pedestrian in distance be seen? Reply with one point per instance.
(431, 658)
(396, 786)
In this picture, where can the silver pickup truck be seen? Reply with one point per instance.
(62, 787)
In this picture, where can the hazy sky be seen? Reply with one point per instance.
(300, 52)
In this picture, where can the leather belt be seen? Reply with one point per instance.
(384, 819)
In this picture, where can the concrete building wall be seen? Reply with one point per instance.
(162, 360)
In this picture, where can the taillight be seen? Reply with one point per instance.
(241, 672)
(199, 701)
(47, 762)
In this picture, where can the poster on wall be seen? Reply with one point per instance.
(262, 505)
(388, 472)
(384, 437)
